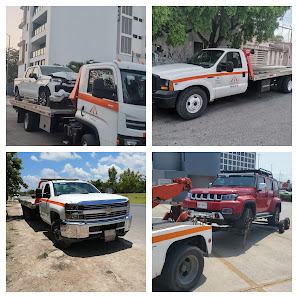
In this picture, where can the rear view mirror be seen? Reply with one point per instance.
(38, 193)
(230, 66)
(33, 76)
(218, 68)
(210, 184)
(262, 186)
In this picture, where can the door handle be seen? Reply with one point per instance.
(82, 111)
(243, 74)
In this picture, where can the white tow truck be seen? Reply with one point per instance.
(108, 107)
(179, 243)
(76, 210)
(210, 74)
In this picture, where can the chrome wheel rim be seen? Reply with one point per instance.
(188, 269)
(194, 103)
(290, 85)
(43, 99)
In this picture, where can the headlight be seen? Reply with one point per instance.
(189, 195)
(71, 207)
(231, 197)
(166, 85)
(57, 80)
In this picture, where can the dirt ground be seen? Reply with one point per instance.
(33, 264)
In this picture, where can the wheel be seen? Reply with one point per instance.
(279, 83)
(244, 223)
(183, 268)
(191, 103)
(58, 240)
(286, 85)
(281, 226)
(30, 122)
(273, 221)
(17, 95)
(20, 118)
(27, 213)
(287, 223)
(88, 140)
(44, 97)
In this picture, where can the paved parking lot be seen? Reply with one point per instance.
(249, 119)
(263, 265)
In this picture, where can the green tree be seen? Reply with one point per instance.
(12, 58)
(131, 182)
(97, 183)
(214, 24)
(75, 65)
(112, 177)
(14, 180)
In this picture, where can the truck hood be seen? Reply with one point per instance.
(179, 70)
(224, 190)
(69, 76)
(90, 197)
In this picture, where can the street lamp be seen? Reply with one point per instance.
(7, 57)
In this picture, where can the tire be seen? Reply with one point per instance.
(245, 221)
(58, 240)
(20, 118)
(88, 140)
(191, 103)
(44, 97)
(287, 223)
(183, 268)
(286, 86)
(281, 226)
(17, 95)
(30, 122)
(273, 221)
(279, 83)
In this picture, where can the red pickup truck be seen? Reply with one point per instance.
(237, 198)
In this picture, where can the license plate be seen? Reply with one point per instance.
(110, 235)
(202, 205)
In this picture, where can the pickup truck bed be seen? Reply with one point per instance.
(268, 72)
(28, 202)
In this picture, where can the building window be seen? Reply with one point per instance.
(126, 25)
(125, 44)
(43, 62)
(127, 10)
(25, 67)
(27, 26)
(141, 20)
(135, 36)
(140, 37)
(26, 47)
(135, 18)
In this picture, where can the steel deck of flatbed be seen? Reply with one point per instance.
(28, 202)
(42, 110)
(269, 72)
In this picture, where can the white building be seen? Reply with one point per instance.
(60, 34)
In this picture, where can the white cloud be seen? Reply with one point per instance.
(75, 172)
(134, 161)
(34, 158)
(88, 164)
(101, 172)
(93, 154)
(58, 156)
(49, 173)
(31, 181)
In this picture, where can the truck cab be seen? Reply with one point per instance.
(111, 103)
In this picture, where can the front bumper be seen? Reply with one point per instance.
(165, 99)
(59, 96)
(130, 141)
(79, 230)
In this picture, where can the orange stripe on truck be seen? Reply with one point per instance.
(179, 234)
(208, 76)
(106, 103)
(53, 202)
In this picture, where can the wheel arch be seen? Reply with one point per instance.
(54, 215)
(250, 204)
(204, 88)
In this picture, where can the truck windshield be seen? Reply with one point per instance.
(65, 188)
(235, 180)
(206, 58)
(134, 87)
(46, 70)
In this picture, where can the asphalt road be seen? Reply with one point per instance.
(263, 265)
(17, 136)
(249, 119)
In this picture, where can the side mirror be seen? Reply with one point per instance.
(38, 193)
(33, 76)
(210, 184)
(99, 90)
(229, 66)
(218, 68)
(262, 186)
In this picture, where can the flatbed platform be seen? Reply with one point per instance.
(269, 72)
(28, 202)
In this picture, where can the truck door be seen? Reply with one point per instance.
(44, 204)
(230, 83)
(270, 192)
(261, 196)
(34, 84)
(99, 110)
(25, 84)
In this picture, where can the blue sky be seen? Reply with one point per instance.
(82, 165)
(279, 162)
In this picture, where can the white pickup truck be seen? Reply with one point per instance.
(76, 210)
(45, 84)
(211, 74)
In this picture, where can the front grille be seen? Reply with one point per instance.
(206, 197)
(102, 206)
(155, 83)
(138, 125)
(105, 215)
(65, 88)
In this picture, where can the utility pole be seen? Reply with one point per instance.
(7, 57)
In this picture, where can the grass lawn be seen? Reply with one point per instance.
(135, 198)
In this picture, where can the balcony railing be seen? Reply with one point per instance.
(37, 10)
(38, 30)
(38, 52)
